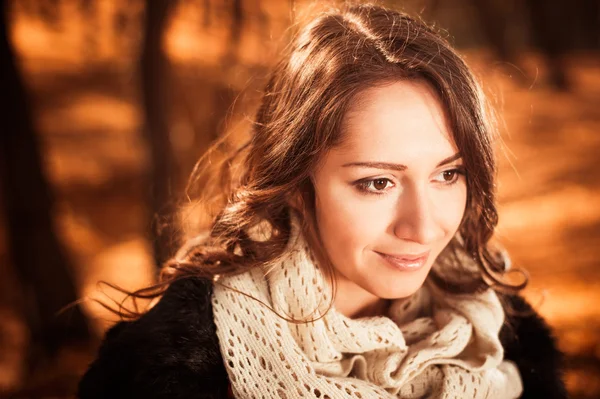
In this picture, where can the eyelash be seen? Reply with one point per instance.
(363, 185)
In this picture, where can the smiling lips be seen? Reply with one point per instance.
(406, 262)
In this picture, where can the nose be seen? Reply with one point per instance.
(416, 220)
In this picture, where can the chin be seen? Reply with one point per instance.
(395, 293)
(402, 287)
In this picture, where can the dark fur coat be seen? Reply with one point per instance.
(172, 352)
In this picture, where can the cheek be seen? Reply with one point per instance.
(451, 208)
(346, 221)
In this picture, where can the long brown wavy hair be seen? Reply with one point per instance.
(331, 59)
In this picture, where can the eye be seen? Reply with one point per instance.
(374, 186)
(449, 176)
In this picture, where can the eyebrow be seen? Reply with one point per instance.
(397, 166)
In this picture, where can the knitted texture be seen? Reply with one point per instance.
(430, 345)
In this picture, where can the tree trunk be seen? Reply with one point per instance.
(40, 262)
(230, 57)
(155, 77)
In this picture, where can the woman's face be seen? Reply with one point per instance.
(393, 194)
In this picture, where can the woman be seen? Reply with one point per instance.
(351, 258)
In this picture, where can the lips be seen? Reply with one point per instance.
(405, 262)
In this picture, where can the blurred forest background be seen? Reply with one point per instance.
(107, 105)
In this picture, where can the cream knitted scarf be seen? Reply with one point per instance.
(431, 345)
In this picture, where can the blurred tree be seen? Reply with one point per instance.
(89, 11)
(49, 10)
(237, 21)
(40, 261)
(154, 67)
(207, 8)
(493, 19)
(552, 27)
(156, 90)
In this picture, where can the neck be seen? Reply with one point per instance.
(354, 302)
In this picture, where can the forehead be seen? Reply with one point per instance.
(397, 122)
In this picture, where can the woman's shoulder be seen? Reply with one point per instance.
(171, 351)
(528, 341)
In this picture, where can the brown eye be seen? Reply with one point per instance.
(380, 184)
(449, 175)
(375, 186)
